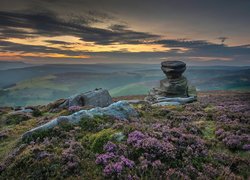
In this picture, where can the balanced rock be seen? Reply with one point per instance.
(175, 88)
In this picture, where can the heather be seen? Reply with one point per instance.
(207, 139)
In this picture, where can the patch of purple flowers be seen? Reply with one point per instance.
(110, 147)
(143, 152)
(74, 108)
(233, 140)
(114, 163)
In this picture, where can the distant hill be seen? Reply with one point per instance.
(44, 83)
(5, 65)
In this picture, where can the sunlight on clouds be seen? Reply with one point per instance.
(204, 58)
(199, 58)
(41, 41)
(91, 47)
(19, 55)
(79, 45)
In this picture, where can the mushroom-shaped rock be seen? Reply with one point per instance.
(175, 85)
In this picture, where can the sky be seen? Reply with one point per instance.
(198, 32)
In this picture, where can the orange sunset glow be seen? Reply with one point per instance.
(110, 30)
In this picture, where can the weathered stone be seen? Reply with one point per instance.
(121, 110)
(119, 136)
(166, 104)
(173, 69)
(96, 98)
(175, 85)
(164, 101)
(192, 92)
(136, 102)
(53, 106)
(24, 110)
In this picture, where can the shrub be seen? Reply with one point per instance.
(96, 141)
(145, 155)
(36, 113)
(95, 124)
(16, 118)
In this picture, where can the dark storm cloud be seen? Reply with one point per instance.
(118, 27)
(88, 17)
(6, 32)
(48, 24)
(205, 48)
(6, 46)
(183, 43)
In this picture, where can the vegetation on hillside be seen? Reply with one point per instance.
(208, 139)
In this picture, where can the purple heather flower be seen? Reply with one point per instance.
(127, 162)
(232, 141)
(118, 166)
(219, 132)
(144, 164)
(110, 147)
(104, 158)
(108, 170)
(135, 136)
(246, 147)
(74, 108)
(157, 164)
(43, 155)
(115, 168)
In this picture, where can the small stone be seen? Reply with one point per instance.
(119, 136)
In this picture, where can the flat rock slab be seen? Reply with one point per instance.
(166, 104)
(164, 101)
(121, 110)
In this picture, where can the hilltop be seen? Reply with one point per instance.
(208, 139)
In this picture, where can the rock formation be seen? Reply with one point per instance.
(175, 88)
(121, 110)
(97, 98)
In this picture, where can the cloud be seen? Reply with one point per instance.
(48, 24)
(183, 43)
(59, 42)
(205, 48)
(118, 27)
(6, 46)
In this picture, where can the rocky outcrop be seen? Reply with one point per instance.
(121, 110)
(175, 85)
(97, 98)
